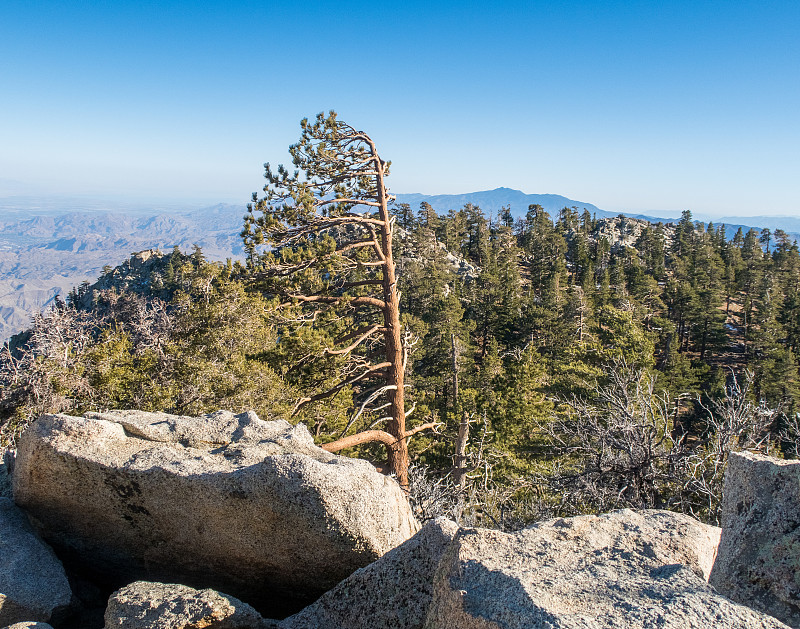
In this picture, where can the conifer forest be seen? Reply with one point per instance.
(537, 365)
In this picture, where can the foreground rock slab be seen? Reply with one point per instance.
(759, 553)
(145, 605)
(224, 501)
(623, 570)
(395, 592)
(33, 585)
(29, 625)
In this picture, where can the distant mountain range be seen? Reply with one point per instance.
(492, 201)
(50, 244)
(46, 253)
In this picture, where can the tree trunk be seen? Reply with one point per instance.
(703, 341)
(460, 471)
(398, 451)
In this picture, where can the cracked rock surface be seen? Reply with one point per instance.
(225, 501)
(759, 553)
(621, 570)
(392, 593)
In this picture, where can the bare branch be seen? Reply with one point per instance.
(367, 436)
(348, 202)
(358, 341)
(359, 331)
(428, 426)
(338, 387)
(326, 299)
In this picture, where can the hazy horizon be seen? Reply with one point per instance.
(57, 203)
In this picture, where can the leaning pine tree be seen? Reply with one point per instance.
(320, 239)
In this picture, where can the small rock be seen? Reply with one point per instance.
(625, 569)
(392, 593)
(32, 581)
(145, 605)
(759, 553)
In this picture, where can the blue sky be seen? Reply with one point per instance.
(639, 106)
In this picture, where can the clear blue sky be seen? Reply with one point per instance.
(645, 106)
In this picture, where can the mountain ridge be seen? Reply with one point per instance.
(45, 255)
(491, 201)
(45, 251)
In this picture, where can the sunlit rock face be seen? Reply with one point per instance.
(623, 569)
(759, 553)
(247, 507)
(146, 605)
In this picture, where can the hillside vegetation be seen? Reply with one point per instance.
(45, 254)
(572, 365)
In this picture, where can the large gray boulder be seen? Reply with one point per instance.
(759, 553)
(623, 570)
(29, 625)
(33, 585)
(392, 593)
(145, 605)
(224, 501)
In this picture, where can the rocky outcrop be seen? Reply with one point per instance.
(392, 593)
(624, 231)
(759, 553)
(29, 625)
(33, 585)
(623, 569)
(226, 501)
(144, 605)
